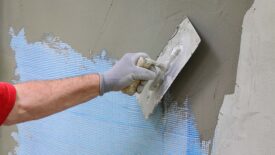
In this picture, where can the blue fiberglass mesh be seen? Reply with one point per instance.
(109, 125)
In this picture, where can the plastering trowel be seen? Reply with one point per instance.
(168, 64)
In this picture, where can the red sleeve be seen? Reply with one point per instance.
(7, 100)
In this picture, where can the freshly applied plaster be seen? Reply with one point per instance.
(246, 123)
(174, 56)
(110, 124)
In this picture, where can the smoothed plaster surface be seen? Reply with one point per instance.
(246, 123)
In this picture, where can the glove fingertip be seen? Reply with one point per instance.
(145, 74)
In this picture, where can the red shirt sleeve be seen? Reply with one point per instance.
(7, 100)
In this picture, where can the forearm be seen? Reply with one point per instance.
(38, 99)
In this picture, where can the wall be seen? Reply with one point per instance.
(247, 118)
(122, 25)
(7, 143)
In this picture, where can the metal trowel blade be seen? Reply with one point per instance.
(174, 56)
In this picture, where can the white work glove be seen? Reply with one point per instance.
(124, 73)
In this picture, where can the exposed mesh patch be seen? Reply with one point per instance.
(109, 125)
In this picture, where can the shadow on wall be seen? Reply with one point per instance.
(211, 71)
(188, 82)
(195, 77)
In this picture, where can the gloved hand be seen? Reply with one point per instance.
(124, 72)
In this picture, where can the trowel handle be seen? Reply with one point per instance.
(142, 62)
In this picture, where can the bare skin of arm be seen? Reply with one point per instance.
(38, 99)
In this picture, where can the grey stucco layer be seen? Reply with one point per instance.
(7, 143)
(246, 123)
(122, 26)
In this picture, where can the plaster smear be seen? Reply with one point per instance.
(246, 123)
(107, 125)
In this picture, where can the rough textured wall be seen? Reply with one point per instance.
(246, 123)
(129, 25)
